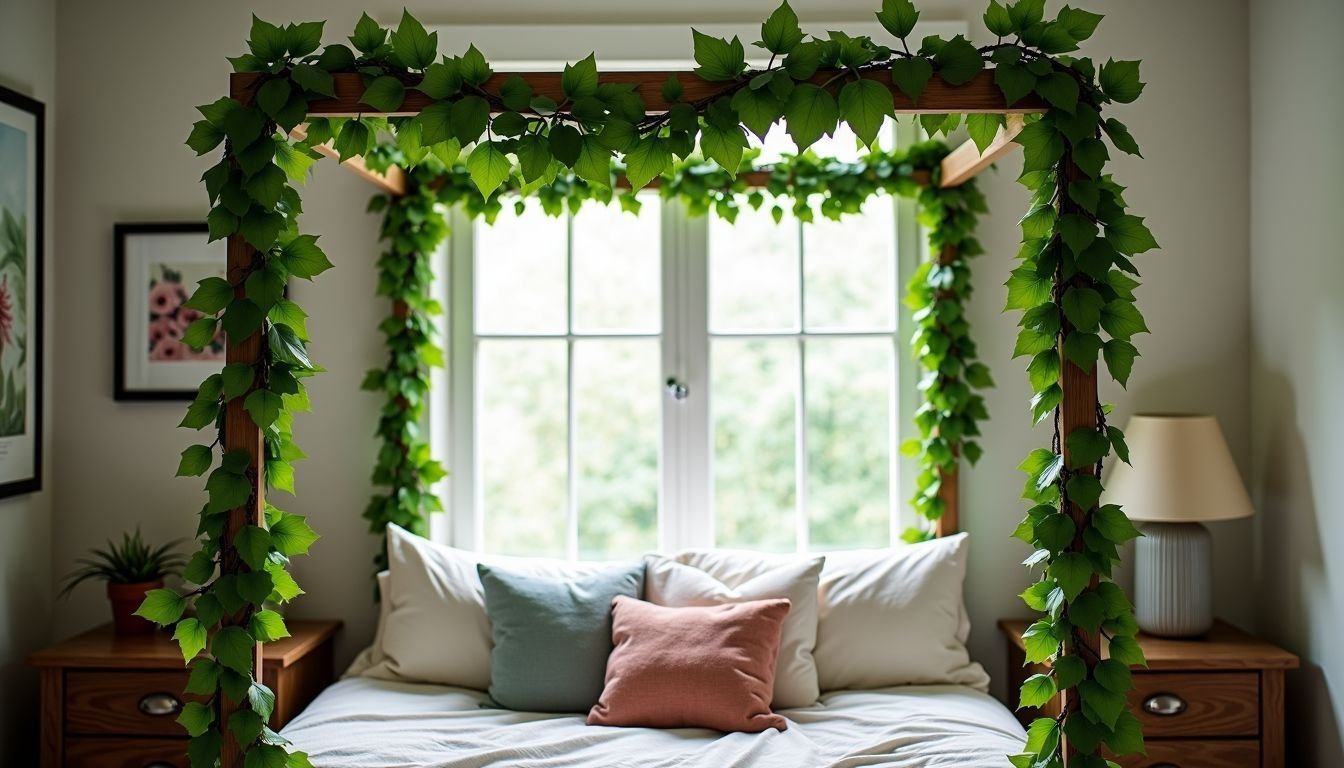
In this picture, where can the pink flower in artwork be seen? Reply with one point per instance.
(165, 296)
(168, 349)
(185, 317)
(164, 328)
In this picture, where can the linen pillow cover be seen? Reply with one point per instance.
(552, 638)
(436, 629)
(695, 667)
(673, 584)
(885, 617)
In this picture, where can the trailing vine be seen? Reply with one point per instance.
(413, 230)
(949, 415)
(1073, 285)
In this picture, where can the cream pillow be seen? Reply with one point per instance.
(885, 617)
(436, 629)
(670, 583)
(373, 654)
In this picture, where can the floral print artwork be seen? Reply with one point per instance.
(168, 319)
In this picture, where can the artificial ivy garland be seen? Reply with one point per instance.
(1073, 285)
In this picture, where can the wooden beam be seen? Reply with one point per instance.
(964, 162)
(393, 182)
(979, 95)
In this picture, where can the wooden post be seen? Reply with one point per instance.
(948, 480)
(1077, 409)
(241, 434)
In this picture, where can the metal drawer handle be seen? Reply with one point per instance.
(159, 705)
(1164, 705)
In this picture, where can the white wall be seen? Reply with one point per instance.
(124, 160)
(27, 64)
(1297, 319)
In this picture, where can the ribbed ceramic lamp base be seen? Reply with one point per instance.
(1173, 579)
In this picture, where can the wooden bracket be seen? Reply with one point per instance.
(964, 162)
(393, 182)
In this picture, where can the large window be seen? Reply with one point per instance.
(621, 383)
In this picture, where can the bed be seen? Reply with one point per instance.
(885, 655)
(363, 722)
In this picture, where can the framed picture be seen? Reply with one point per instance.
(22, 222)
(157, 268)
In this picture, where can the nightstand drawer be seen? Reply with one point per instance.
(1177, 704)
(130, 703)
(126, 753)
(1191, 753)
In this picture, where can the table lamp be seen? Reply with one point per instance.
(1182, 476)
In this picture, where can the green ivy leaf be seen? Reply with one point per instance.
(200, 414)
(724, 146)
(268, 626)
(354, 140)
(1120, 80)
(1129, 235)
(1111, 522)
(255, 587)
(314, 79)
(488, 167)
(227, 491)
(811, 113)
(200, 333)
(291, 535)
(758, 109)
(443, 79)
(1025, 13)
(1041, 642)
(898, 17)
(287, 347)
(261, 698)
(266, 41)
(253, 544)
(266, 756)
(865, 105)
(196, 717)
(982, 128)
(912, 76)
(958, 61)
(580, 78)
(516, 93)
(648, 160)
(475, 70)
(1055, 531)
(1036, 690)
(1083, 306)
(1120, 137)
(469, 117)
(1126, 650)
(196, 460)
(246, 726)
(1072, 571)
(204, 137)
(594, 162)
(238, 378)
(384, 94)
(264, 407)
(190, 637)
(303, 258)
(1060, 90)
(1014, 81)
(412, 46)
(204, 678)
(1081, 349)
(780, 33)
(1127, 736)
(1086, 447)
(162, 606)
(1117, 439)
(1084, 490)
(1122, 320)
(802, 63)
(1041, 146)
(1120, 356)
(369, 36)
(1069, 671)
(718, 59)
(1087, 612)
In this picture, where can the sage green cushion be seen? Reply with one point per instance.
(551, 638)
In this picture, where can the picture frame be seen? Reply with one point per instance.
(157, 266)
(22, 253)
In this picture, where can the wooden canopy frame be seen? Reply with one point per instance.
(980, 95)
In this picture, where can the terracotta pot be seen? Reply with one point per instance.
(125, 599)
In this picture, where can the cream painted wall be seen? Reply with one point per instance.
(27, 65)
(125, 162)
(1297, 323)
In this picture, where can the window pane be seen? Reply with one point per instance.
(617, 269)
(849, 401)
(844, 145)
(522, 456)
(754, 402)
(520, 273)
(753, 272)
(617, 400)
(850, 269)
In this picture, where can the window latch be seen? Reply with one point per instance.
(677, 390)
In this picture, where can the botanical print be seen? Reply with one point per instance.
(170, 285)
(13, 281)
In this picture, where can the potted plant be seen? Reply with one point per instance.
(130, 568)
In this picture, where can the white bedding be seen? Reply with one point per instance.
(367, 723)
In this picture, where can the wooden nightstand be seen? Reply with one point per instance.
(112, 702)
(1225, 693)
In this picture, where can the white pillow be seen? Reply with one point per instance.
(436, 629)
(667, 582)
(885, 617)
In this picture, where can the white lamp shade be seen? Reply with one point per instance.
(1182, 472)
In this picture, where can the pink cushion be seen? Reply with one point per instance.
(696, 667)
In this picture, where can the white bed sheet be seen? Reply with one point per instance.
(367, 723)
